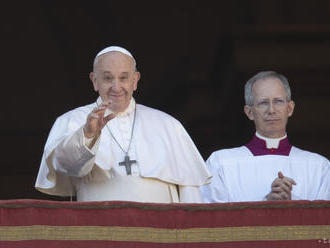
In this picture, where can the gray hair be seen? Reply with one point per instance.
(248, 95)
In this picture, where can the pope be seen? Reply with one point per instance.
(116, 149)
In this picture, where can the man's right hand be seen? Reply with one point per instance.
(96, 120)
(281, 188)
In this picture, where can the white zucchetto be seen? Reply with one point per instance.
(114, 49)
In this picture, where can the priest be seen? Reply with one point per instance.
(268, 167)
(116, 149)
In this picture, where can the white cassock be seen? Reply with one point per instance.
(246, 173)
(168, 165)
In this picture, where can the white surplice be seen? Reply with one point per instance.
(240, 176)
(167, 159)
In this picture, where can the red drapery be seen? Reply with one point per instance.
(38, 223)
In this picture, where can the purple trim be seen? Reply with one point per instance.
(258, 147)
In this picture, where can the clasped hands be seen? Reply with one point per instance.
(281, 188)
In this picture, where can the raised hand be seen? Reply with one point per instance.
(96, 120)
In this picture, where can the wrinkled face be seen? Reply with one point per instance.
(114, 78)
(270, 110)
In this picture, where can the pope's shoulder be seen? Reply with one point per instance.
(77, 113)
(152, 113)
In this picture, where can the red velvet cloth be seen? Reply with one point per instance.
(38, 223)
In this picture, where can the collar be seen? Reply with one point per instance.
(271, 142)
(126, 112)
(258, 146)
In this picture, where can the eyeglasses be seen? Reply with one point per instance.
(265, 103)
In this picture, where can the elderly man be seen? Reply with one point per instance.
(268, 167)
(115, 149)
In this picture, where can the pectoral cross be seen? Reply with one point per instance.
(127, 163)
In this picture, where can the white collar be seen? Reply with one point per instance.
(130, 109)
(271, 142)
